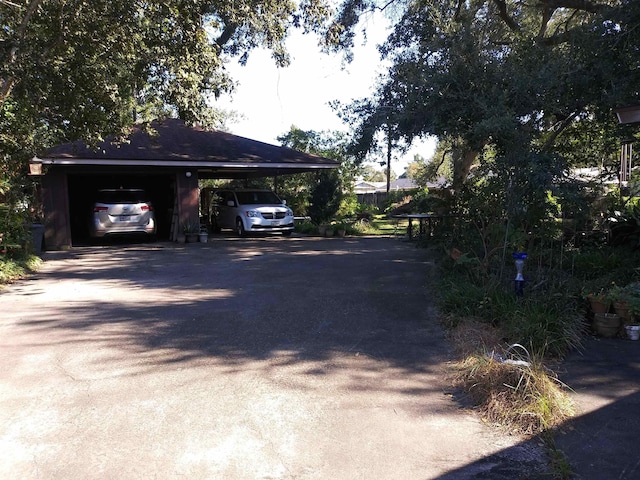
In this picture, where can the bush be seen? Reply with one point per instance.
(349, 205)
(17, 265)
(306, 227)
(14, 234)
(325, 197)
(548, 321)
(544, 327)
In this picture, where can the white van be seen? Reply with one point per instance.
(251, 211)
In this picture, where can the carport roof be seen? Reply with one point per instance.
(171, 143)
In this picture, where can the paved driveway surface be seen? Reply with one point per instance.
(260, 358)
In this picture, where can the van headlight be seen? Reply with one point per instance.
(252, 213)
(289, 212)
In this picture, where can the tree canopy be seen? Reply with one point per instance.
(320, 194)
(515, 76)
(73, 69)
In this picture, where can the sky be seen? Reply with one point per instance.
(272, 99)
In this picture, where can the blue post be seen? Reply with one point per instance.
(519, 258)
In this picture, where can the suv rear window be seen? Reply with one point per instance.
(121, 196)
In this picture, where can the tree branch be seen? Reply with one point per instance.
(547, 13)
(226, 34)
(564, 124)
(458, 7)
(504, 15)
(11, 4)
(444, 156)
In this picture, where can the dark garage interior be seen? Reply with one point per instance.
(83, 188)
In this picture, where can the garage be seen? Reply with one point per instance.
(165, 159)
(83, 187)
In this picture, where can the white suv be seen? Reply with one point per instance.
(122, 211)
(251, 211)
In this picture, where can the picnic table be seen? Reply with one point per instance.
(426, 222)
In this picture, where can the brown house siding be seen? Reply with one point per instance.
(187, 199)
(55, 204)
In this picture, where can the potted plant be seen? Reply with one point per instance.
(341, 229)
(632, 323)
(626, 301)
(619, 298)
(633, 331)
(599, 301)
(191, 231)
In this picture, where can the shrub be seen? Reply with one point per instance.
(13, 267)
(306, 227)
(325, 197)
(348, 205)
(548, 322)
(544, 327)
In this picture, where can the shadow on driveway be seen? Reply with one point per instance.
(246, 299)
(243, 358)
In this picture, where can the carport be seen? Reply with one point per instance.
(166, 158)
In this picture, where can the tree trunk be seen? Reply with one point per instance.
(463, 160)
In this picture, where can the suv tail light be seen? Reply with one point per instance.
(146, 208)
(100, 209)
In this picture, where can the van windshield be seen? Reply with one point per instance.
(258, 198)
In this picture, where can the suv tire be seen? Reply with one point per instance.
(240, 231)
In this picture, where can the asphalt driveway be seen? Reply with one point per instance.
(259, 358)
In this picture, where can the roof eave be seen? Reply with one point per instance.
(180, 163)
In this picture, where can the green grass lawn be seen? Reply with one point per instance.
(381, 225)
(18, 266)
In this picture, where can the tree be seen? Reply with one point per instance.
(510, 75)
(421, 170)
(325, 196)
(84, 69)
(372, 174)
(301, 187)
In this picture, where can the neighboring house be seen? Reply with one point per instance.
(362, 187)
(375, 193)
(594, 174)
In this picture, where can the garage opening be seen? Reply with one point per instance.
(83, 189)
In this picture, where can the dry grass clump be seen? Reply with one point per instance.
(471, 336)
(510, 390)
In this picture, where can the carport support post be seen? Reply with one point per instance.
(55, 205)
(187, 200)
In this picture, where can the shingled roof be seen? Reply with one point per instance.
(171, 143)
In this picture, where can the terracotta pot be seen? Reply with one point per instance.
(622, 309)
(599, 307)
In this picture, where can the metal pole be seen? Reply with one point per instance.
(388, 156)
